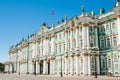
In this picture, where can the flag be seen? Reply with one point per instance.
(52, 13)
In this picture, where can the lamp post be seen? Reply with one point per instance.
(61, 66)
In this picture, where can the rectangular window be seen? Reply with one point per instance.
(103, 64)
(60, 48)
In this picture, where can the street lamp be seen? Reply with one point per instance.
(61, 66)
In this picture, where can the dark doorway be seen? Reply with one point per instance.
(12, 68)
(41, 67)
(48, 67)
(34, 68)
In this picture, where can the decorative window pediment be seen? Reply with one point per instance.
(43, 28)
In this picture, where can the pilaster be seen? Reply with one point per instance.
(77, 37)
(118, 28)
(71, 39)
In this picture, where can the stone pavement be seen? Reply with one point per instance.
(52, 77)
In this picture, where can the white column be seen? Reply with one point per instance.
(89, 65)
(71, 59)
(51, 67)
(77, 37)
(44, 47)
(44, 67)
(85, 66)
(71, 39)
(37, 67)
(36, 46)
(85, 36)
(96, 37)
(77, 65)
(53, 44)
(66, 66)
(118, 28)
(98, 63)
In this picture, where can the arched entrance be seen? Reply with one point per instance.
(41, 67)
(48, 67)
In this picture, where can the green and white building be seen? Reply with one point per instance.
(79, 46)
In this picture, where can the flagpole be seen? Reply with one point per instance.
(52, 17)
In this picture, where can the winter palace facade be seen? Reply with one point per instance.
(83, 45)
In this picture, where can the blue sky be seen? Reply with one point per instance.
(19, 18)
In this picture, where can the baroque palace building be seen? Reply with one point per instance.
(83, 45)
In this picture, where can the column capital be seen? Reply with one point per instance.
(77, 54)
(71, 29)
(118, 16)
(85, 25)
(77, 27)
(65, 31)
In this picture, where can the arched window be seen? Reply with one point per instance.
(91, 28)
(103, 63)
(108, 42)
(81, 64)
(101, 28)
(114, 41)
(109, 63)
(81, 43)
(101, 42)
(107, 27)
(80, 29)
(113, 25)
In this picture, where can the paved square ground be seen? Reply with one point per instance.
(52, 77)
